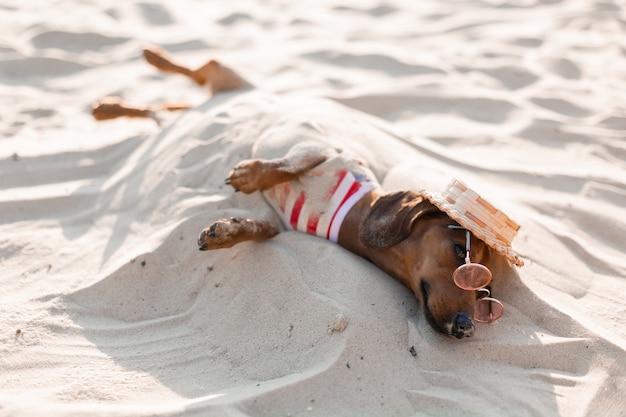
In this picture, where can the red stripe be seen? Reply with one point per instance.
(353, 189)
(340, 176)
(297, 208)
(311, 225)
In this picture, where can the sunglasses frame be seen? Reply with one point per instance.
(475, 271)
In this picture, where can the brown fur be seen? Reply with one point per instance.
(400, 232)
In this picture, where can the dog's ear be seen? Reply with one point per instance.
(391, 217)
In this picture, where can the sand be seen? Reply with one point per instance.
(107, 308)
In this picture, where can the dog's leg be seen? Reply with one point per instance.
(217, 76)
(112, 108)
(228, 232)
(260, 174)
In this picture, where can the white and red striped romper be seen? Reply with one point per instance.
(318, 201)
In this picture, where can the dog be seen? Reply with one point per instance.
(331, 193)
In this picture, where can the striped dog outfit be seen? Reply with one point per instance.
(318, 201)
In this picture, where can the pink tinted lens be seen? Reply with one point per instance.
(488, 310)
(472, 276)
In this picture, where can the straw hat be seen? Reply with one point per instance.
(471, 211)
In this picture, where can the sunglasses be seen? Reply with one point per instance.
(475, 277)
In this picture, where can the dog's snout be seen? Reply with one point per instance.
(462, 326)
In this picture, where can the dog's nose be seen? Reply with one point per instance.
(462, 326)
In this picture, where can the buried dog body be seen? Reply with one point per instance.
(421, 238)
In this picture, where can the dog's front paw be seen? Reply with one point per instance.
(247, 176)
(223, 233)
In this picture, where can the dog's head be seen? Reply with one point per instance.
(411, 240)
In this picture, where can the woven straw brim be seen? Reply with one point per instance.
(477, 215)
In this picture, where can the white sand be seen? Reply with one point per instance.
(108, 309)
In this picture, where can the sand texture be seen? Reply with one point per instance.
(107, 308)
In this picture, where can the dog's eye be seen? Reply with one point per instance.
(460, 251)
